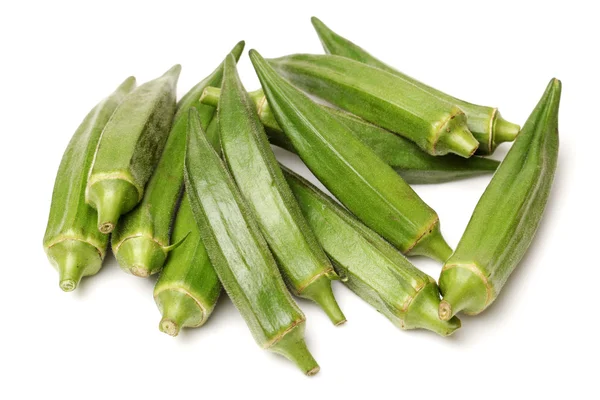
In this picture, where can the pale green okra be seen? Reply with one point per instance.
(485, 123)
(405, 157)
(141, 240)
(384, 99)
(240, 255)
(369, 265)
(72, 241)
(256, 172)
(507, 215)
(130, 147)
(366, 185)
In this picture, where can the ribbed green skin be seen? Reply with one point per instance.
(130, 147)
(141, 240)
(507, 215)
(366, 185)
(369, 265)
(239, 253)
(72, 241)
(188, 288)
(436, 126)
(406, 158)
(246, 150)
(485, 123)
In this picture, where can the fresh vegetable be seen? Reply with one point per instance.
(405, 157)
(507, 216)
(141, 240)
(240, 255)
(369, 265)
(367, 186)
(485, 123)
(188, 287)
(435, 125)
(72, 241)
(129, 149)
(256, 172)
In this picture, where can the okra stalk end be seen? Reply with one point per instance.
(210, 96)
(432, 244)
(140, 256)
(455, 137)
(74, 259)
(112, 198)
(179, 310)
(293, 347)
(423, 313)
(320, 292)
(464, 288)
(504, 131)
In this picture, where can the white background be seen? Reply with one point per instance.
(58, 59)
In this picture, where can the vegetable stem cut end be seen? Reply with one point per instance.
(456, 138)
(503, 130)
(210, 96)
(68, 285)
(141, 256)
(432, 245)
(293, 347)
(464, 288)
(321, 293)
(179, 310)
(169, 327)
(112, 198)
(73, 260)
(423, 313)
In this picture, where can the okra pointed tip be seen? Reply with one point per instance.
(174, 71)
(169, 327)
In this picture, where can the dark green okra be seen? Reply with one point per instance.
(246, 150)
(369, 265)
(507, 215)
(351, 171)
(141, 241)
(240, 255)
(485, 123)
(405, 157)
(188, 287)
(72, 241)
(130, 147)
(435, 125)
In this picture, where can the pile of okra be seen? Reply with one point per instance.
(192, 191)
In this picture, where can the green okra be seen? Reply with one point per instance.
(369, 265)
(141, 241)
(129, 149)
(188, 287)
(405, 157)
(485, 123)
(251, 161)
(240, 255)
(72, 241)
(435, 125)
(366, 185)
(507, 215)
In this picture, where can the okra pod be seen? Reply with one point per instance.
(251, 161)
(240, 255)
(72, 241)
(507, 215)
(188, 287)
(141, 240)
(485, 123)
(366, 185)
(129, 149)
(369, 265)
(436, 126)
(405, 157)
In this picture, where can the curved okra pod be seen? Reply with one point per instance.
(405, 157)
(435, 125)
(72, 241)
(369, 265)
(246, 150)
(188, 287)
(129, 149)
(141, 240)
(240, 255)
(485, 123)
(507, 216)
(351, 171)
